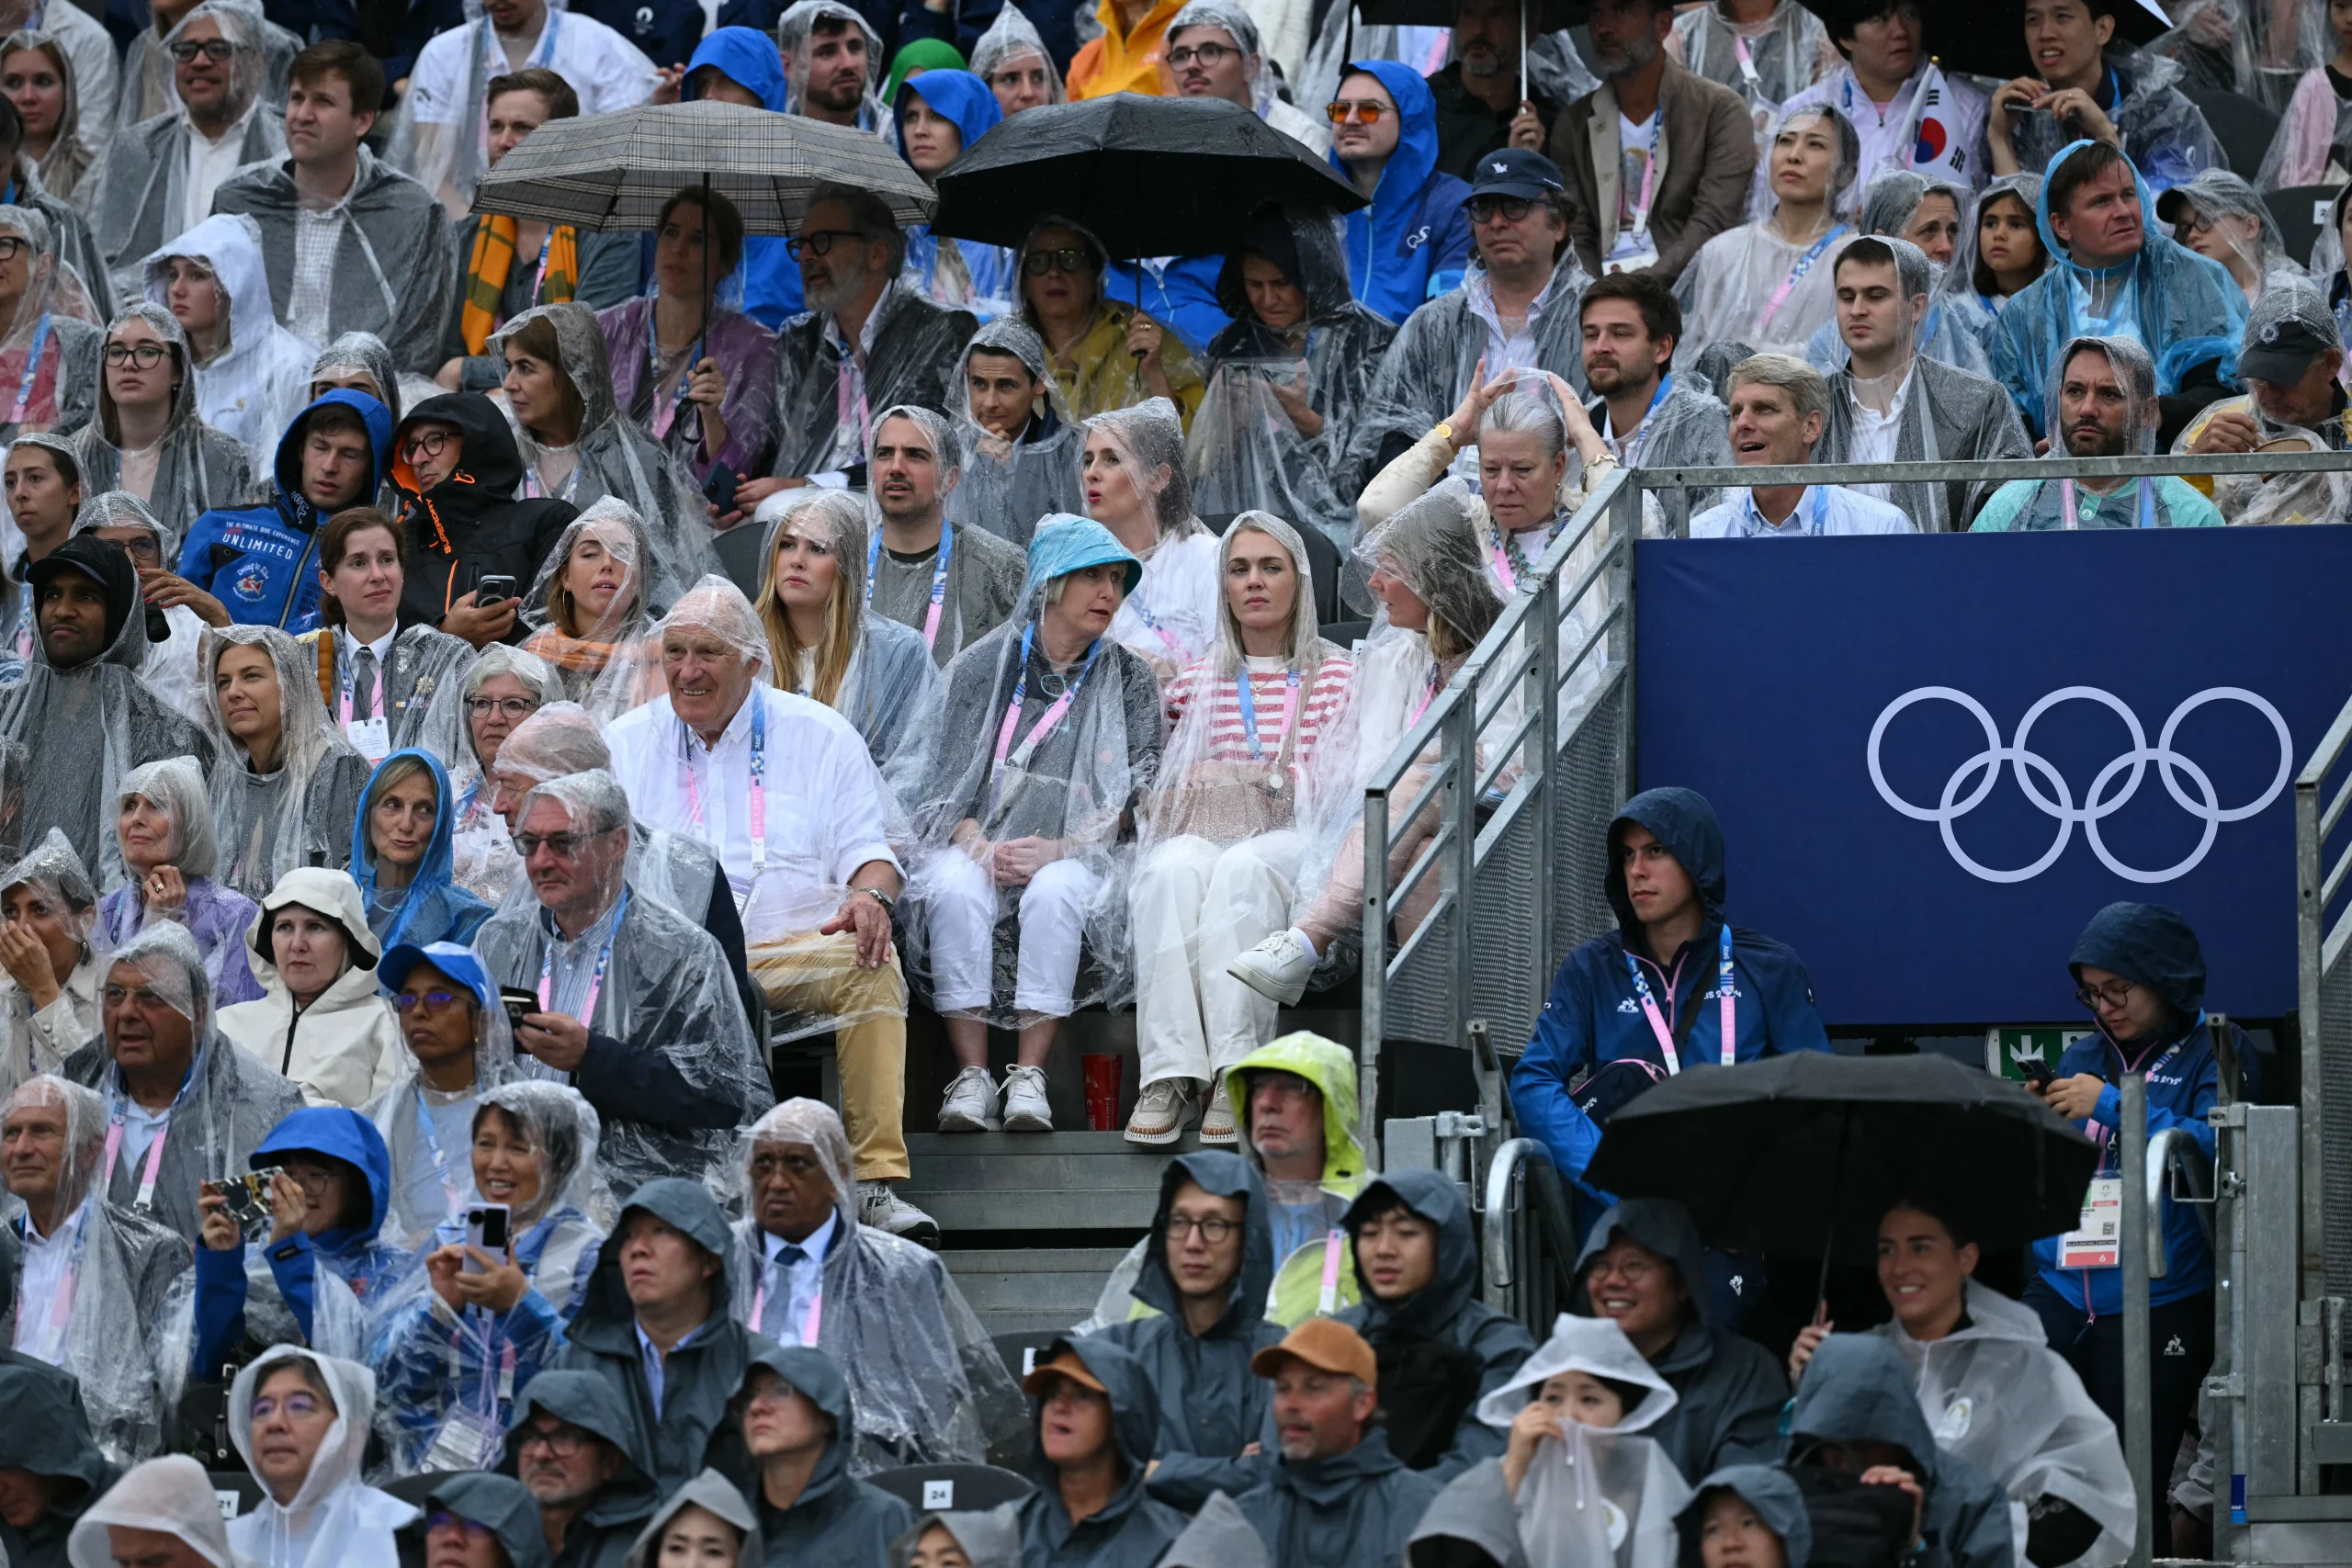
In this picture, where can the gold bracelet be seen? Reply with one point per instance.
(1605, 461)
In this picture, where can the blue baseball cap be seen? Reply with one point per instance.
(453, 959)
(1516, 171)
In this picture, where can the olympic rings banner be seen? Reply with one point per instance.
(1935, 757)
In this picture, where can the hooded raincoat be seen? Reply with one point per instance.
(1771, 1492)
(837, 1517)
(35, 1040)
(1413, 242)
(333, 1521)
(216, 916)
(500, 1505)
(1596, 1044)
(259, 376)
(906, 352)
(599, 1536)
(1006, 486)
(197, 466)
(1355, 1509)
(1133, 1529)
(346, 1047)
(469, 525)
(1306, 1216)
(300, 815)
(46, 1434)
(48, 333)
(172, 1496)
(2162, 130)
(1949, 333)
(961, 274)
(431, 908)
(714, 1493)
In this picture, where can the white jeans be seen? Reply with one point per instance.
(1197, 906)
(963, 907)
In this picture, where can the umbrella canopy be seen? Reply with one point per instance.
(614, 171)
(1988, 38)
(1545, 16)
(1148, 176)
(1787, 1152)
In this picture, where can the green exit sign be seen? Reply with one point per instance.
(2007, 1048)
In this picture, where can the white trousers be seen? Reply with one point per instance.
(963, 913)
(1197, 906)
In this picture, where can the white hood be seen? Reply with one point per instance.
(262, 378)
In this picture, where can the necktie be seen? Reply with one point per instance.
(362, 684)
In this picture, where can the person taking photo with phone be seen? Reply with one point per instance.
(456, 1029)
(457, 472)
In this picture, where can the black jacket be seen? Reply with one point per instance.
(470, 527)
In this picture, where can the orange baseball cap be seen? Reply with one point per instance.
(1326, 1344)
(1064, 1363)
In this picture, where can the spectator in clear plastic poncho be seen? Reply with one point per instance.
(951, 586)
(1103, 354)
(636, 1001)
(77, 247)
(1893, 401)
(1035, 754)
(1430, 574)
(2305, 150)
(1779, 410)
(1013, 60)
(163, 825)
(461, 1047)
(1766, 59)
(147, 437)
(252, 374)
(2222, 218)
(920, 1370)
(44, 497)
(1238, 73)
(164, 1511)
(50, 336)
(1909, 113)
(1999, 253)
(1220, 845)
(159, 175)
(1995, 1393)
(941, 114)
(402, 855)
(1931, 215)
(592, 614)
(284, 782)
(1767, 283)
(2109, 276)
(571, 1443)
(824, 641)
(387, 686)
(91, 1282)
(501, 692)
(2090, 84)
(358, 362)
(468, 1328)
(192, 1106)
(801, 1423)
(2104, 392)
(1019, 443)
(64, 90)
(1287, 380)
(170, 669)
(452, 480)
(148, 85)
(1648, 413)
(320, 1020)
(833, 62)
(2290, 363)
(300, 1421)
(1139, 486)
(53, 950)
(82, 694)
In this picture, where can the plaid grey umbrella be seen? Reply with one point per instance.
(614, 171)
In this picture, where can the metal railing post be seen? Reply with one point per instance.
(1374, 966)
(1624, 531)
(2139, 1434)
(1460, 815)
(1540, 763)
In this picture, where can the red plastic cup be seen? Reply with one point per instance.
(1102, 1091)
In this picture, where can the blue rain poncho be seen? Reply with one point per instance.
(962, 273)
(432, 908)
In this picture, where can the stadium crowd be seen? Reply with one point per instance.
(533, 666)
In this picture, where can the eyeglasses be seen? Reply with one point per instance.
(216, 50)
(443, 1519)
(1633, 1270)
(1366, 112)
(12, 246)
(431, 1001)
(1509, 208)
(820, 242)
(146, 355)
(2114, 994)
(1071, 259)
(1208, 54)
(563, 846)
(144, 548)
(1214, 1229)
(295, 1404)
(2193, 223)
(115, 995)
(517, 708)
(430, 444)
(564, 1442)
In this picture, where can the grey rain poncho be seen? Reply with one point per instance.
(216, 916)
(1859, 1389)
(100, 713)
(614, 457)
(1355, 1509)
(1475, 1520)
(1949, 333)
(333, 1520)
(499, 1504)
(300, 814)
(55, 314)
(1219, 1537)
(1948, 415)
(927, 1382)
(1734, 287)
(837, 1517)
(1771, 1492)
(169, 669)
(138, 196)
(599, 1535)
(887, 674)
(1997, 1396)
(197, 468)
(58, 892)
(795, 32)
(1133, 1529)
(429, 1133)
(482, 858)
(2217, 194)
(2281, 498)
(172, 1497)
(991, 1540)
(1083, 745)
(671, 1067)
(714, 1494)
(257, 380)
(913, 347)
(1005, 487)
(100, 1324)
(1247, 453)
(1212, 1405)
(227, 1107)
(1169, 615)
(608, 660)
(1767, 64)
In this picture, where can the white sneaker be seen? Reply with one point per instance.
(1162, 1110)
(1277, 969)
(879, 1205)
(1026, 1109)
(971, 1102)
(1218, 1130)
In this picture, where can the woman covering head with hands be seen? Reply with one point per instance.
(53, 961)
(171, 861)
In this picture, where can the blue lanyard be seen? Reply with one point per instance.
(1250, 711)
(938, 580)
(1730, 1028)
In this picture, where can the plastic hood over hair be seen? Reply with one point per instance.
(886, 672)
(2132, 370)
(794, 31)
(1007, 485)
(172, 1497)
(561, 739)
(251, 387)
(1892, 201)
(168, 964)
(1849, 142)
(431, 902)
(715, 608)
(1010, 37)
(175, 786)
(85, 1134)
(53, 868)
(2217, 193)
(337, 1463)
(361, 353)
(1595, 1347)
(245, 29)
(1434, 544)
(114, 508)
(1236, 20)
(1306, 644)
(1145, 438)
(262, 837)
(711, 1491)
(168, 328)
(815, 1125)
(613, 662)
(564, 1132)
(51, 286)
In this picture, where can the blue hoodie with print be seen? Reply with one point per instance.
(1413, 241)
(748, 59)
(262, 563)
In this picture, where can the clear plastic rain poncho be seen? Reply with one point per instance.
(1950, 335)
(1767, 62)
(147, 86)
(1169, 617)
(300, 814)
(1996, 1396)
(484, 861)
(2284, 498)
(1013, 747)
(72, 148)
(2238, 230)
(257, 380)
(1005, 486)
(925, 1378)
(218, 916)
(594, 611)
(869, 669)
(821, 425)
(1969, 287)
(794, 33)
(1604, 1494)
(2262, 49)
(2168, 137)
(639, 973)
(1242, 26)
(2183, 312)
(102, 714)
(1753, 283)
(428, 1132)
(354, 354)
(172, 1496)
(613, 456)
(1247, 452)
(198, 468)
(57, 891)
(2314, 142)
(334, 1519)
(448, 1375)
(49, 334)
(169, 669)
(1010, 39)
(108, 1292)
(2135, 504)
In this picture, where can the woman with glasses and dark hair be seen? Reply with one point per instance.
(1104, 355)
(456, 469)
(148, 438)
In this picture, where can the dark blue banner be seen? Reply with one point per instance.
(1935, 757)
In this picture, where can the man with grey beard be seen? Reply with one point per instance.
(868, 343)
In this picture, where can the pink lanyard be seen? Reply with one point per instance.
(1727, 1023)
(146, 1199)
(1327, 1302)
(1436, 681)
(758, 794)
(547, 977)
(1796, 276)
(808, 1325)
(1183, 655)
(1649, 174)
(1046, 720)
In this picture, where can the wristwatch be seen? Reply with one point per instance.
(1443, 429)
(890, 905)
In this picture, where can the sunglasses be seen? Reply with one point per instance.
(1071, 259)
(1366, 112)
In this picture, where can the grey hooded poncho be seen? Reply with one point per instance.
(1133, 1530)
(837, 1517)
(1006, 486)
(914, 349)
(299, 815)
(599, 1536)
(197, 468)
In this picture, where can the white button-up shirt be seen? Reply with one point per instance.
(1822, 510)
(792, 1289)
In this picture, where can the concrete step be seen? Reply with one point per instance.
(1036, 1182)
(1031, 1290)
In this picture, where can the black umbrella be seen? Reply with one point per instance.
(1794, 1152)
(1148, 177)
(1987, 39)
(1541, 16)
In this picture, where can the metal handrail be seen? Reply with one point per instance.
(1505, 1241)
(2314, 888)
(2174, 1149)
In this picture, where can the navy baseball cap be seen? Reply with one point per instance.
(1515, 170)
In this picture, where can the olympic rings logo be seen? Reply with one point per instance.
(1978, 774)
